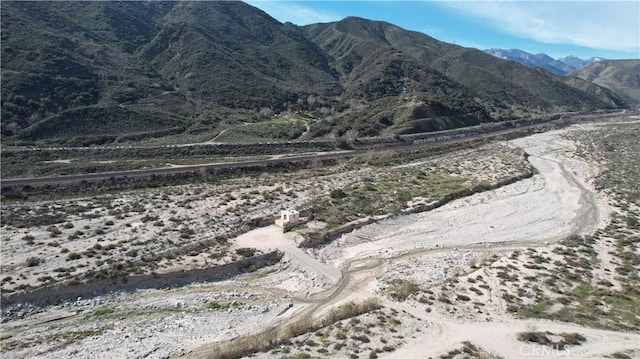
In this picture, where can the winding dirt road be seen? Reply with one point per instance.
(548, 207)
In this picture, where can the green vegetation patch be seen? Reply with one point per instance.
(387, 193)
(547, 338)
(102, 313)
(401, 289)
(217, 306)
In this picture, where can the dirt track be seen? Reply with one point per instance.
(554, 204)
(557, 202)
(248, 164)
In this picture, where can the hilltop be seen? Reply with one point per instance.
(620, 76)
(82, 73)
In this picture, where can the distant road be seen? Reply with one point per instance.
(167, 170)
(252, 163)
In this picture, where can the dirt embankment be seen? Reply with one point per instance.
(96, 287)
(444, 278)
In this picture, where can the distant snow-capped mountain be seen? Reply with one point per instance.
(561, 66)
(577, 62)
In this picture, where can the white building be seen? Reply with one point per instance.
(288, 218)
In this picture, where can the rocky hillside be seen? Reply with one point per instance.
(82, 73)
(620, 76)
(418, 83)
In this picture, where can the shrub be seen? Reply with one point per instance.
(33, 261)
(186, 232)
(361, 338)
(338, 194)
(29, 239)
(246, 252)
(401, 289)
(573, 338)
(534, 337)
(55, 231)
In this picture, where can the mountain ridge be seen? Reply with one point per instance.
(101, 72)
(560, 66)
(620, 76)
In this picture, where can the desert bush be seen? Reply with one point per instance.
(246, 252)
(388, 348)
(443, 298)
(401, 289)
(338, 194)
(573, 338)
(476, 290)
(29, 239)
(149, 218)
(186, 232)
(33, 261)
(534, 337)
(361, 338)
(620, 355)
(55, 231)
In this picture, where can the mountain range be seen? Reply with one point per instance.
(84, 73)
(560, 66)
(621, 76)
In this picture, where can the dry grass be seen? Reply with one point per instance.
(280, 335)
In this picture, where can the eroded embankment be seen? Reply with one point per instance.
(545, 207)
(99, 286)
(317, 240)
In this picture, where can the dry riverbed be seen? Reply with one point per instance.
(480, 276)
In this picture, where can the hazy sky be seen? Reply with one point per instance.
(609, 29)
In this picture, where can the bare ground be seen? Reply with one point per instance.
(445, 277)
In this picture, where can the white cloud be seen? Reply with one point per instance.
(284, 11)
(609, 25)
(433, 31)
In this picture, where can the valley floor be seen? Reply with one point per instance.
(534, 269)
